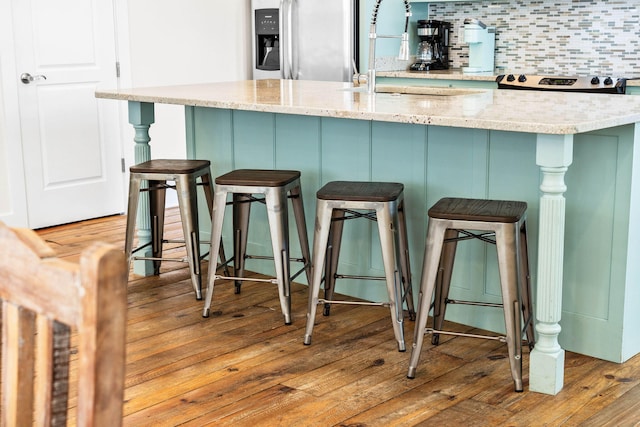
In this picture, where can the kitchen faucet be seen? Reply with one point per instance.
(404, 43)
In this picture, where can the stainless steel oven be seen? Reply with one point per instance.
(589, 84)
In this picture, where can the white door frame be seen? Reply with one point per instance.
(13, 203)
(123, 56)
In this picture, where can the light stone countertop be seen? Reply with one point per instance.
(508, 110)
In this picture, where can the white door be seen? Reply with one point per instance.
(65, 50)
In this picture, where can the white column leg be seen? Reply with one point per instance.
(546, 365)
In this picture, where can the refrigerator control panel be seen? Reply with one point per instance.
(267, 21)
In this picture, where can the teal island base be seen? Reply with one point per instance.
(599, 275)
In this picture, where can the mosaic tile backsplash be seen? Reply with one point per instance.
(582, 37)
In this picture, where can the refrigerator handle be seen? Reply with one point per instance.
(286, 39)
(293, 39)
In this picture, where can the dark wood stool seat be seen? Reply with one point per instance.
(382, 202)
(171, 166)
(258, 177)
(478, 210)
(152, 177)
(276, 187)
(499, 222)
(361, 191)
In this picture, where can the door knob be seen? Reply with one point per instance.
(27, 78)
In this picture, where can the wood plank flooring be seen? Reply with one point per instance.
(244, 367)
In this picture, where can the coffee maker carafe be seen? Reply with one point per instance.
(433, 49)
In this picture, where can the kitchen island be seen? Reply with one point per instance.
(479, 143)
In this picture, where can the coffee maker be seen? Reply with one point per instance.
(433, 50)
(482, 43)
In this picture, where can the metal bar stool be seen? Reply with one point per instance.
(184, 174)
(382, 202)
(498, 222)
(276, 186)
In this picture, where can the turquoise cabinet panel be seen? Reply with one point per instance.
(254, 148)
(456, 163)
(456, 167)
(346, 150)
(346, 156)
(514, 177)
(582, 213)
(297, 147)
(254, 140)
(596, 245)
(399, 154)
(209, 134)
(214, 136)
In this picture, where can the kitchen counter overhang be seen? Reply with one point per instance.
(518, 111)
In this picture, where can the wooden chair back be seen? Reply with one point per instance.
(52, 308)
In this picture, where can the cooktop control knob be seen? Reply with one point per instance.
(510, 78)
(522, 78)
(595, 81)
(608, 81)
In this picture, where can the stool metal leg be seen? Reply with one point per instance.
(132, 210)
(207, 186)
(157, 197)
(433, 250)
(241, 215)
(506, 245)
(303, 238)
(405, 262)
(217, 217)
(186, 188)
(387, 220)
(445, 271)
(525, 287)
(333, 254)
(320, 239)
(277, 214)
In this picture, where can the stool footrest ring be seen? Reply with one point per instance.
(351, 276)
(477, 303)
(271, 257)
(377, 304)
(253, 279)
(150, 258)
(174, 241)
(246, 279)
(500, 338)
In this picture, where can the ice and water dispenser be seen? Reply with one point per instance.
(266, 43)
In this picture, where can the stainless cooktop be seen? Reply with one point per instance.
(591, 84)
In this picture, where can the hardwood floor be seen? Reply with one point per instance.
(244, 367)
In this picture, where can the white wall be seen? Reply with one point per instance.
(190, 41)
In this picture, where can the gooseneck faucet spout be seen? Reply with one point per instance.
(404, 43)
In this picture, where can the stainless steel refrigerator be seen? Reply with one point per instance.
(304, 39)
